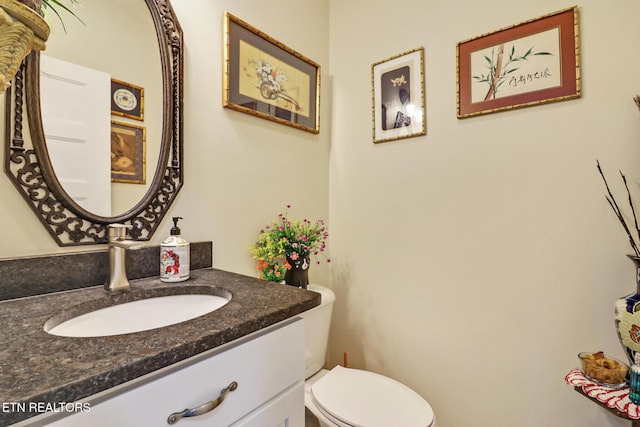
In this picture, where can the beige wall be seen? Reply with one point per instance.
(474, 263)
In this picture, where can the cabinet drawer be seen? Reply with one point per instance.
(285, 410)
(263, 367)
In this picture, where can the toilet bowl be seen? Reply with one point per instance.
(346, 397)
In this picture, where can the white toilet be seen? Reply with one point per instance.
(348, 397)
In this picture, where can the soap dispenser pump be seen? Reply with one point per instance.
(174, 256)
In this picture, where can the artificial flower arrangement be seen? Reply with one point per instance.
(627, 308)
(285, 244)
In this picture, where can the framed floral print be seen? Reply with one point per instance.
(267, 79)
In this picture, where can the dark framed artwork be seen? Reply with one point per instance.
(398, 97)
(128, 153)
(267, 79)
(527, 64)
(127, 100)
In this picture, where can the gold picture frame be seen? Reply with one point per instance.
(532, 63)
(267, 79)
(128, 153)
(127, 100)
(398, 98)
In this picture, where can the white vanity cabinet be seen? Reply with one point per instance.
(267, 366)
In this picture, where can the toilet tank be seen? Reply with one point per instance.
(317, 322)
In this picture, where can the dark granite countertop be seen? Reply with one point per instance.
(38, 367)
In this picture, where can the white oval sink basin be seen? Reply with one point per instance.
(138, 316)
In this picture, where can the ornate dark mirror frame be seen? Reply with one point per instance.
(30, 169)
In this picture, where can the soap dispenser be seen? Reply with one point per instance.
(174, 256)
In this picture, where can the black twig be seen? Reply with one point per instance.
(618, 212)
(624, 225)
(633, 211)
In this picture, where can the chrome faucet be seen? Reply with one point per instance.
(118, 245)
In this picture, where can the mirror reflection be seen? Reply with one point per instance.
(103, 141)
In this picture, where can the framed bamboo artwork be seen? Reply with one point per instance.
(267, 79)
(527, 64)
(398, 97)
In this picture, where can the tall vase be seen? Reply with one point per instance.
(627, 317)
(298, 274)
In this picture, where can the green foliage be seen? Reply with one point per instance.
(54, 5)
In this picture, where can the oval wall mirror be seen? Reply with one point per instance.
(104, 116)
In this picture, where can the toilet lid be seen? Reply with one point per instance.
(365, 399)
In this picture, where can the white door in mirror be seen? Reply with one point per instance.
(76, 115)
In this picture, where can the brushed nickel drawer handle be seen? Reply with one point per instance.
(203, 409)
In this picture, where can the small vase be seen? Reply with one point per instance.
(634, 384)
(298, 274)
(627, 317)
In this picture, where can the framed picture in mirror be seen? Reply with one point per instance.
(128, 153)
(267, 79)
(127, 100)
